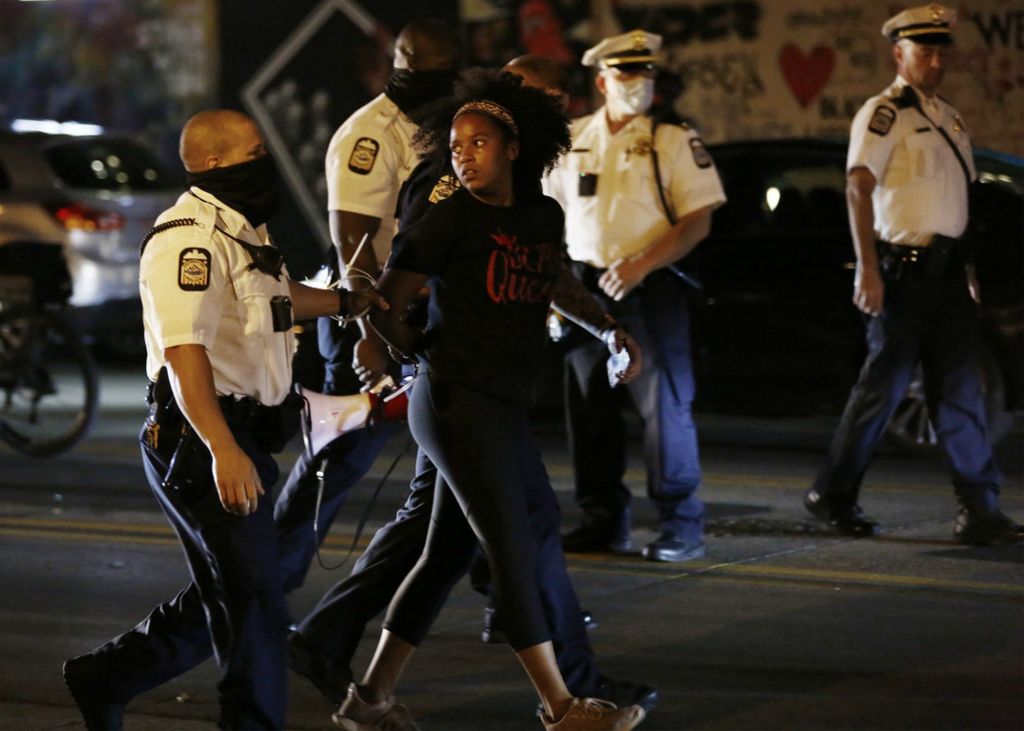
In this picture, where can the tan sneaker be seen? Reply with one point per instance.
(355, 714)
(594, 714)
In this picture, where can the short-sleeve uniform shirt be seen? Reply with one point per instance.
(368, 159)
(607, 187)
(492, 270)
(921, 189)
(197, 287)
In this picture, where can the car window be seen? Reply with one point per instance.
(781, 192)
(108, 164)
(999, 170)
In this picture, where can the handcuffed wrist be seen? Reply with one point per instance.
(345, 306)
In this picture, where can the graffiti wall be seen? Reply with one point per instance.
(772, 68)
(136, 66)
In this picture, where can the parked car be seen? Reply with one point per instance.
(97, 196)
(774, 328)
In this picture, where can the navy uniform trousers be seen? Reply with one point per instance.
(235, 596)
(931, 320)
(656, 314)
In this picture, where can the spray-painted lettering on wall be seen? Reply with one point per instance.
(804, 67)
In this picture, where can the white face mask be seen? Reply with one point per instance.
(633, 96)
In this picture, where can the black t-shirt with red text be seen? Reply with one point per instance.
(492, 270)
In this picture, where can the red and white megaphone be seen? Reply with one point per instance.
(325, 418)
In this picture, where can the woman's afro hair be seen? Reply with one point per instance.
(543, 127)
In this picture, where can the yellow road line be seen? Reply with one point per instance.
(707, 569)
(152, 535)
(116, 532)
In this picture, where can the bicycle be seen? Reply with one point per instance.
(49, 391)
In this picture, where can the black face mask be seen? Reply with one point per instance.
(412, 89)
(248, 187)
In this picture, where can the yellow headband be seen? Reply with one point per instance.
(490, 109)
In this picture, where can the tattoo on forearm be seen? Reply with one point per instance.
(574, 301)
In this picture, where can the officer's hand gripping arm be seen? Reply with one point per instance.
(352, 234)
(310, 302)
(401, 289)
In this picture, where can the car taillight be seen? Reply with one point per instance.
(77, 217)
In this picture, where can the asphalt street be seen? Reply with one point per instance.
(783, 625)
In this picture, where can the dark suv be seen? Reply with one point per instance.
(774, 329)
(96, 196)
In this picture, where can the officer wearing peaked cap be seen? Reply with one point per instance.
(637, 197)
(931, 24)
(908, 170)
(637, 49)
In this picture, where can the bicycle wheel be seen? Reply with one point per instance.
(48, 385)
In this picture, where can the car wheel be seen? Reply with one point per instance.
(910, 429)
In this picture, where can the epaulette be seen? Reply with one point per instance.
(173, 223)
(906, 99)
(670, 121)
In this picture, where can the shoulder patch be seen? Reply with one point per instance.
(364, 154)
(882, 120)
(701, 156)
(194, 269)
(444, 187)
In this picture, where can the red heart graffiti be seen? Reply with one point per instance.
(806, 75)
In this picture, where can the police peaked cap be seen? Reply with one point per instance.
(628, 51)
(930, 24)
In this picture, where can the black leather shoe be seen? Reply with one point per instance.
(305, 660)
(493, 634)
(849, 521)
(986, 528)
(83, 678)
(594, 536)
(670, 546)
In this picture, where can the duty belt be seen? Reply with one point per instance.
(245, 412)
(250, 414)
(905, 253)
(944, 254)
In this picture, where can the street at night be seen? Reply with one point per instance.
(783, 625)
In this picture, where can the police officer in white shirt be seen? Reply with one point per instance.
(637, 197)
(218, 309)
(909, 167)
(368, 159)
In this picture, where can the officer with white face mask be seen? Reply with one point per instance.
(637, 197)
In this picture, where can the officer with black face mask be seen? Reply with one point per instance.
(217, 311)
(368, 159)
